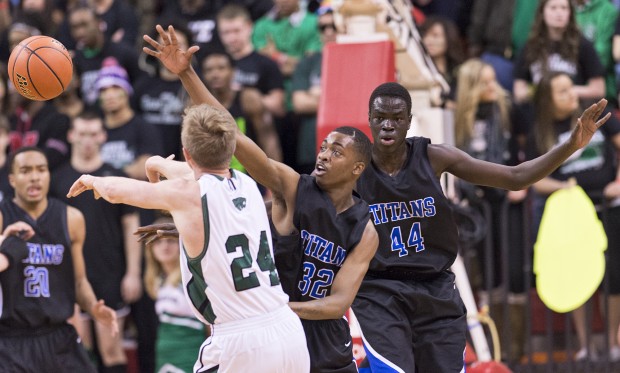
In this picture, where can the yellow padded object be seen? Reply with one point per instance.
(569, 260)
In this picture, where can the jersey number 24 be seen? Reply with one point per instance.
(263, 259)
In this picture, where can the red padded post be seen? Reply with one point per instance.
(349, 73)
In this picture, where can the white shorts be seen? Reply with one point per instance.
(271, 343)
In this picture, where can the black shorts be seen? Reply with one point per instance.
(412, 326)
(107, 286)
(329, 345)
(55, 349)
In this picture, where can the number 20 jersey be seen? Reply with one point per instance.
(234, 277)
(40, 289)
(417, 231)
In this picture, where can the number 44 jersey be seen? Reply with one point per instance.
(234, 277)
(38, 287)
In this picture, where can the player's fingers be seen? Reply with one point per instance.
(596, 112)
(168, 233)
(193, 49)
(151, 239)
(148, 238)
(162, 34)
(26, 235)
(144, 229)
(151, 41)
(599, 107)
(587, 114)
(150, 52)
(173, 35)
(75, 189)
(171, 156)
(141, 230)
(602, 121)
(601, 104)
(142, 237)
(24, 231)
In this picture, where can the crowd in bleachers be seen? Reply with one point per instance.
(519, 70)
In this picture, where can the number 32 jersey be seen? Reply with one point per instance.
(38, 288)
(234, 277)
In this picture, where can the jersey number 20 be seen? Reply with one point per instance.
(37, 282)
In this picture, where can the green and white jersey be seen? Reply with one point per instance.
(234, 277)
(179, 334)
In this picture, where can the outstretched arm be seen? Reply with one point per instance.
(167, 195)
(346, 284)
(178, 62)
(276, 176)
(445, 158)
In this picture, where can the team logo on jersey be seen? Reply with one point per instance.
(239, 203)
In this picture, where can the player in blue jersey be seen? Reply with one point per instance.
(43, 276)
(411, 315)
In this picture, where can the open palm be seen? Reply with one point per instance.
(587, 124)
(168, 51)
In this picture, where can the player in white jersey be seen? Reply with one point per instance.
(227, 266)
(237, 225)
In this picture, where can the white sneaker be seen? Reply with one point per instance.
(581, 355)
(584, 354)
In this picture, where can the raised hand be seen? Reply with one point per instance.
(168, 51)
(587, 124)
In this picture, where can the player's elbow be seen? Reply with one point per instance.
(340, 312)
(339, 308)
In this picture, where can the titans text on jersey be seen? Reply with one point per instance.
(322, 249)
(399, 210)
(44, 253)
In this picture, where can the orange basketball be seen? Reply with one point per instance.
(40, 68)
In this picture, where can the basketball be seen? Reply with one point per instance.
(40, 68)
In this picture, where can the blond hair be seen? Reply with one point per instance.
(468, 99)
(208, 135)
(154, 275)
